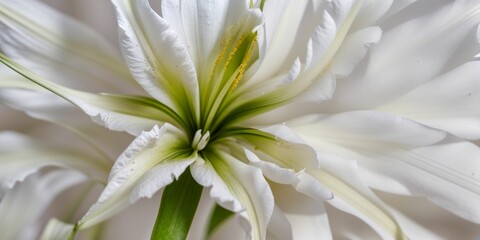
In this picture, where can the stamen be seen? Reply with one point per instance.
(243, 65)
(200, 141)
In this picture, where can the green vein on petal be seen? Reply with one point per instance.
(360, 202)
(242, 109)
(137, 106)
(234, 174)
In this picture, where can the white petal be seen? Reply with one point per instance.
(131, 178)
(406, 163)
(127, 113)
(272, 171)
(156, 56)
(57, 230)
(365, 129)
(447, 174)
(60, 48)
(398, 64)
(397, 6)
(311, 187)
(22, 156)
(20, 218)
(202, 25)
(370, 12)
(307, 216)
(281, 18)
(353, 196)
(320, 50)
(449, 102)
(249, 187)
(279, 228)
(353, 50)
(204, 173)
(274, 149)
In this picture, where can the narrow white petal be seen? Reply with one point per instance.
(22, 156)
(311, 187)
(353, 196)
(204, 173)
(57, 230)
(353, 50)
(366, 128)
(249, 187)
(279, 227)
(156, 56)
(448, 102)
(272, 171)
(202, 25)
(436, 39)
(125, 113)
(134, 175)
(60, 48)
(20, 218)
(273, 148)
(447, 174)
(411, 160)
(370, 12)
(307, 216)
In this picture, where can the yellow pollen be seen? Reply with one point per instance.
(235, 49)
(243, 65)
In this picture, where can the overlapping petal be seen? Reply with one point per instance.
(438, 34)
(403, 157)
(122, 113)
(60, 48)
(157, 58)
(452, 106)
(241, 183)
(154, 160)
(22, 156)
(20, 218)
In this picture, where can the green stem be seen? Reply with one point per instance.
(177, 209)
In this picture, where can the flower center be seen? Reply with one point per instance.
(200, 140)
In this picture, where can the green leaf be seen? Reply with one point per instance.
(177, 209)
(219, 215)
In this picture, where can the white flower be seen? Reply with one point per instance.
(246, 91)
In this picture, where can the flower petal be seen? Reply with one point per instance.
(354, 49)
(60, 48)
(307, 216)
(156, 56)
(57, 230)
(127, 113)
(271, 147)
(22, 156)
(448, 102)
(204, 173)
(279, 228)
(19, 216)
(410, 160)
(354, 197)
(151, 162)
(247, 185)
(436, 39)
(202, 25)
(325, 42)
(434, 172)
(364, 129)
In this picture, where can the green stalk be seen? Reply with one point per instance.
(177, 208)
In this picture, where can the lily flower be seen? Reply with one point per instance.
(255, 99)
